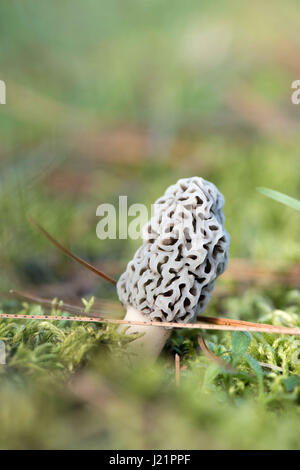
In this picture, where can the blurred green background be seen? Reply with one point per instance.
(125, 97)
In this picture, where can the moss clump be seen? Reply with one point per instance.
(65, 385)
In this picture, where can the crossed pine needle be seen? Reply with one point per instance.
(79, 314)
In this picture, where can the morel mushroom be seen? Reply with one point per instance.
(184, 250)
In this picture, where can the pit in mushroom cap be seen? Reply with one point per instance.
(185, 248)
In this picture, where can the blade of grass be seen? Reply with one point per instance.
(280, 197)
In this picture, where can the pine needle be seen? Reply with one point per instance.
(67, 252)
(210, 355)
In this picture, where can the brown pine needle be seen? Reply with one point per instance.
(200, 325)
(250, 326)
(210, 355)
(207, 323)
(49, 303)
(67, 252)
(177, 369)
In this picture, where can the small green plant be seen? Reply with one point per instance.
(88, 304)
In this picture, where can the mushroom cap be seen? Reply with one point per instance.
(184, 250)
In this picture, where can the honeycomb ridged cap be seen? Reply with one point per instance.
(185, 248)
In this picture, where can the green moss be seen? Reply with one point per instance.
(63, 374)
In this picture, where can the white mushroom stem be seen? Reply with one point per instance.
(153, 340)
